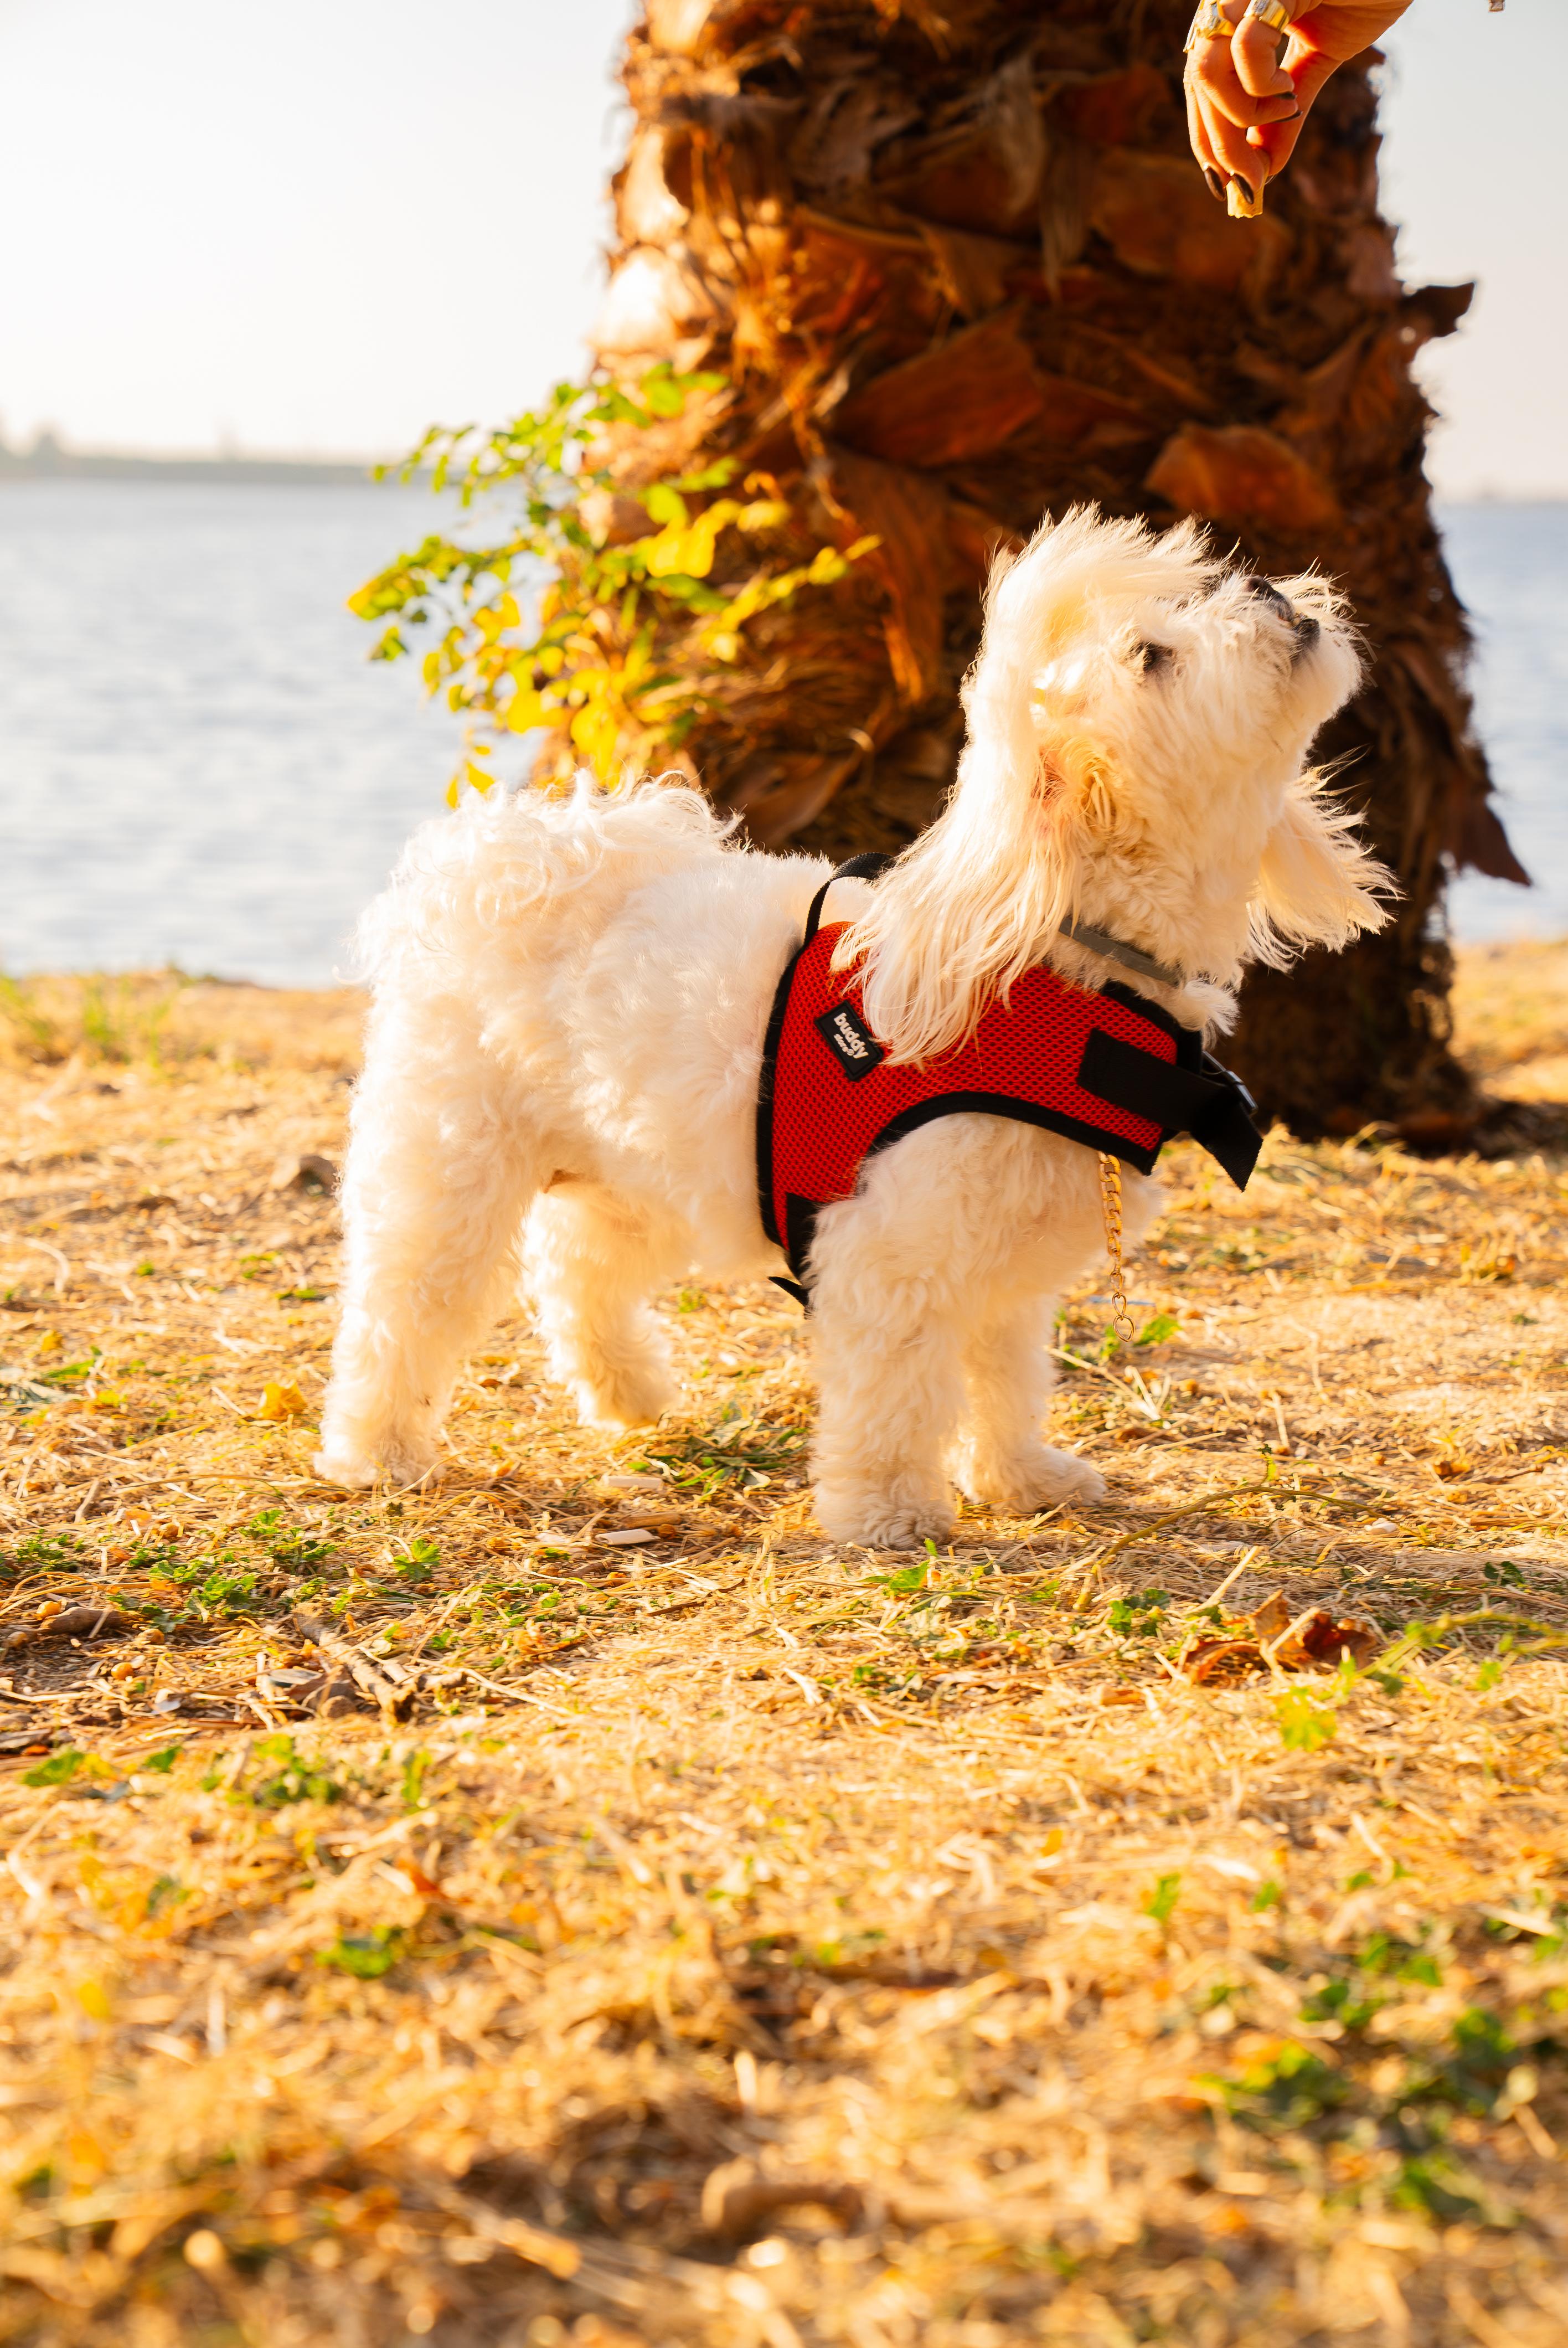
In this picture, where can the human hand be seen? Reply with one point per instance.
(1248, 95)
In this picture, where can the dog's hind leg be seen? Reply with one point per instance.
(439, 1172)
(592, 1259)
(1001, 1457)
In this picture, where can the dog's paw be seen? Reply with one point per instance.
(348, 1474)
(882, 1519)
(1022, 1482)
(625, 1402)
(409, 1464)
(1065, 1477)
(393, 1463)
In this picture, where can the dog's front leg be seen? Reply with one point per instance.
(890, 1390)
(889, 1396)
(1002, 1459)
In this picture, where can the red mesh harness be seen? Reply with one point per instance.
(1107, 1068)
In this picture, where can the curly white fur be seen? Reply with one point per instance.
(570, 996)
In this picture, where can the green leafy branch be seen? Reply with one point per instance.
(648, 593)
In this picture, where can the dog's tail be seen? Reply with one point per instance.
(507, 855)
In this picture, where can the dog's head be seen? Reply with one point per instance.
(1140, 717)
(1156, 708)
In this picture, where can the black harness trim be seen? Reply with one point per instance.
(866, 867)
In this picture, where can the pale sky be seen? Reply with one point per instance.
(323, 226)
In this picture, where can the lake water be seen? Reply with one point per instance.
(198, 765)
(1511, 565)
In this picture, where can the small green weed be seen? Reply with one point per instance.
(41, 1036)
(906, 1580)
(1336, 2001)
(160, 1559)
(295, 1778)
(414, 1769)
(1472, 2078)
(51, 1553)
(213, 1587)
(1138, 1617)
(1304, 1726)
(365, 1956)
(849, 1949)
(423, 1558)
(1399, 1960)
(1284, 2090)
(702, 1465)
(1436, 2183)
(1161, 1903)
(292, 1548)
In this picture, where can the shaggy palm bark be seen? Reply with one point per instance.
(959, 271)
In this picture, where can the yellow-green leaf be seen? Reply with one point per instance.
(528, 709)
(663, 504)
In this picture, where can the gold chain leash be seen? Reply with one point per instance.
(1110, 1209)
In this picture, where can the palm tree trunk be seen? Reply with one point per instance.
(959, 271)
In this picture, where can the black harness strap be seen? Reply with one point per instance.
(1207, 1102)
(868, 866)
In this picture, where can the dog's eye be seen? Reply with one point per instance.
(1149, 656)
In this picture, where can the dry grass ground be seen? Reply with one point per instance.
(447, 1918)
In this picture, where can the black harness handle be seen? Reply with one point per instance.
(868, 866)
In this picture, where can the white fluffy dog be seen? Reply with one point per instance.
(570, 996)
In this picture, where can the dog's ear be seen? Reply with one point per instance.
(1076, 790)
(1316, 884)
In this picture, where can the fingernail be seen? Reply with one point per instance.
(1216, 185)
(1244, 185)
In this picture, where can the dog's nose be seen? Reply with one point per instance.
(1308, 629)
(1265, 590)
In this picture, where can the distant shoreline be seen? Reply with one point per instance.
(46, 460)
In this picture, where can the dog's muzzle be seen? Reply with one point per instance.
(1305, 627)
